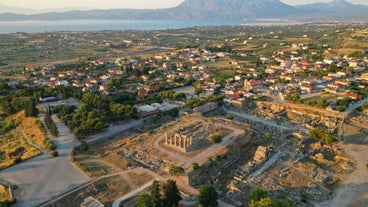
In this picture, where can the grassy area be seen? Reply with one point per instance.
(327, 96)
(32, 129)
(12, 147)
(106, 191)
(15, 142)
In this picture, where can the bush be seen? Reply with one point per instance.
(207, 196)
(49, 144)
(195, 166)
(51, 125)
(84, 146)
(304, 198)
(176, 171)
(322, 135)
(230, 116)
(216, 138)
(17, 160)
(256, 194)
(54, 153)
(8, 203)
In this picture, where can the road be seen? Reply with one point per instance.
(42, 177)
(351, 108)
(114, 130)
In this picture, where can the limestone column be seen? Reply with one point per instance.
(185, 142)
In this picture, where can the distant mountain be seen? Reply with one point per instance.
(337, 9)
(213, 10)
(6, 9)
(19, 10)
(233, 9)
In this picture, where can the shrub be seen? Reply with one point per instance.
(17, 160)
(54, 153)
(195, 166)
(176, 171)
(216, 138)
(49, 144)
(84, 146)
(322, 135)
(230, 116)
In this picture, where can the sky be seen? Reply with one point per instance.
(136, 4)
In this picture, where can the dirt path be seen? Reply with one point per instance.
(354, 191)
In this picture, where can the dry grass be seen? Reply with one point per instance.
(139, 180)
(106, 191)
(30, 128)
(13, 145)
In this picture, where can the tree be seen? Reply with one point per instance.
(155, 194)
(30, 108)
(84, 146)
(207, 196)
(174, 112)
(195, 166)
(4, 87)
(171, 194)
(322, 135)
(144, 200)
(198, 88)
(256, 194)
(268, 135)
(216, 138)
(176, 170)
(269, 202)
(54, 153)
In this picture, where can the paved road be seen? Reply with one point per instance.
(42, 177)
(114, 130)
(351, 108)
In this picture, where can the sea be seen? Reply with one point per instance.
(98, 25)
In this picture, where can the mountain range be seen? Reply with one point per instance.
(212, 10)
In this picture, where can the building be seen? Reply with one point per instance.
(253, 85)
(147, 110)
(206, 107)
(185, 138)
(365, 76)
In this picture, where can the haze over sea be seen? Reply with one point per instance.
(97, 25)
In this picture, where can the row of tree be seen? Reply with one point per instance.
(12, 104)
(260, 198)
(50, 124)
(194, 102)
(167, 196)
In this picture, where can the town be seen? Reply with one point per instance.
(248, 113)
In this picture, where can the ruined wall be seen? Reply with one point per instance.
(272, 111)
